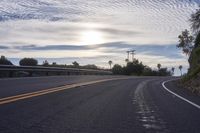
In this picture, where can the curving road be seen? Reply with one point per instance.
(128, 105)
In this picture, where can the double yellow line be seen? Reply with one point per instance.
(51, 90)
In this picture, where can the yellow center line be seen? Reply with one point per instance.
(51, 90)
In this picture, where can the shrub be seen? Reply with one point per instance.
(5, 61)
(117, 69)
(28, 62)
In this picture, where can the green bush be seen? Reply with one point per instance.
(137, 68)
(28, 62)
(194, 59)
(117, 69)
(191, 75)
(5, 61)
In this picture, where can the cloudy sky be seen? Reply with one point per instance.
(95, 31)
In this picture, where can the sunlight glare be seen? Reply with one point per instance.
(91, 37)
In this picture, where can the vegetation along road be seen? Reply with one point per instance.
(97, 104)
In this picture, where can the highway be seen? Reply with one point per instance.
(96, 104)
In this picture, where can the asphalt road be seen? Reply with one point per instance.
(15, 86)
(134, 105)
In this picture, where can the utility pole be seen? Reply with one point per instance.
(132, 53)
(128, 52)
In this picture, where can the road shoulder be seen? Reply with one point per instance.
(173, 86)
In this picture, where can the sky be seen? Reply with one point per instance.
(95, 31)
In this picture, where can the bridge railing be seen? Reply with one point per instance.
(20, 71)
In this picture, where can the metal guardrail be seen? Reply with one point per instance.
(31, 70)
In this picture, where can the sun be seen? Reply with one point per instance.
(91, 37)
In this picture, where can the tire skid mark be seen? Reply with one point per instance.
(147, 111)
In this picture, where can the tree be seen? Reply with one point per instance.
(134, 68)
(110, 63)
(186, 42)
(173, 69)
(180, 68)
(126, 60)
(90, 66)
(5, 61)
(197, 41)
(137, 68)
(164, 72)
(54, 63)
(76, 64)
(117, 69)
(195, 21)
(195, 26)
(28, 62)
(148, 72)
(159, 66)
(45, 63)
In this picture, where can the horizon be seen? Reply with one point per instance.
(95, 32)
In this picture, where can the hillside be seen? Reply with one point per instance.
(192, 80)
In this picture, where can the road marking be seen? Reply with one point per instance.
(182, 98)
(51, 90)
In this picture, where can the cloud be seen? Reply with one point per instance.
(50, 47)
(119, 32)
(75, 10)
(50, 28)
(46, 33)
(40, 9)
(3, 47)
(113, 48)
(117, 45)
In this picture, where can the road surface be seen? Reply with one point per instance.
(127, 105)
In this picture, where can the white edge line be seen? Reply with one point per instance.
(184, 99)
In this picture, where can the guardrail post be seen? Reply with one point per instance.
(58, 73)
(47, 73)
(68, 73)
(11, 74)
(30, 73)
